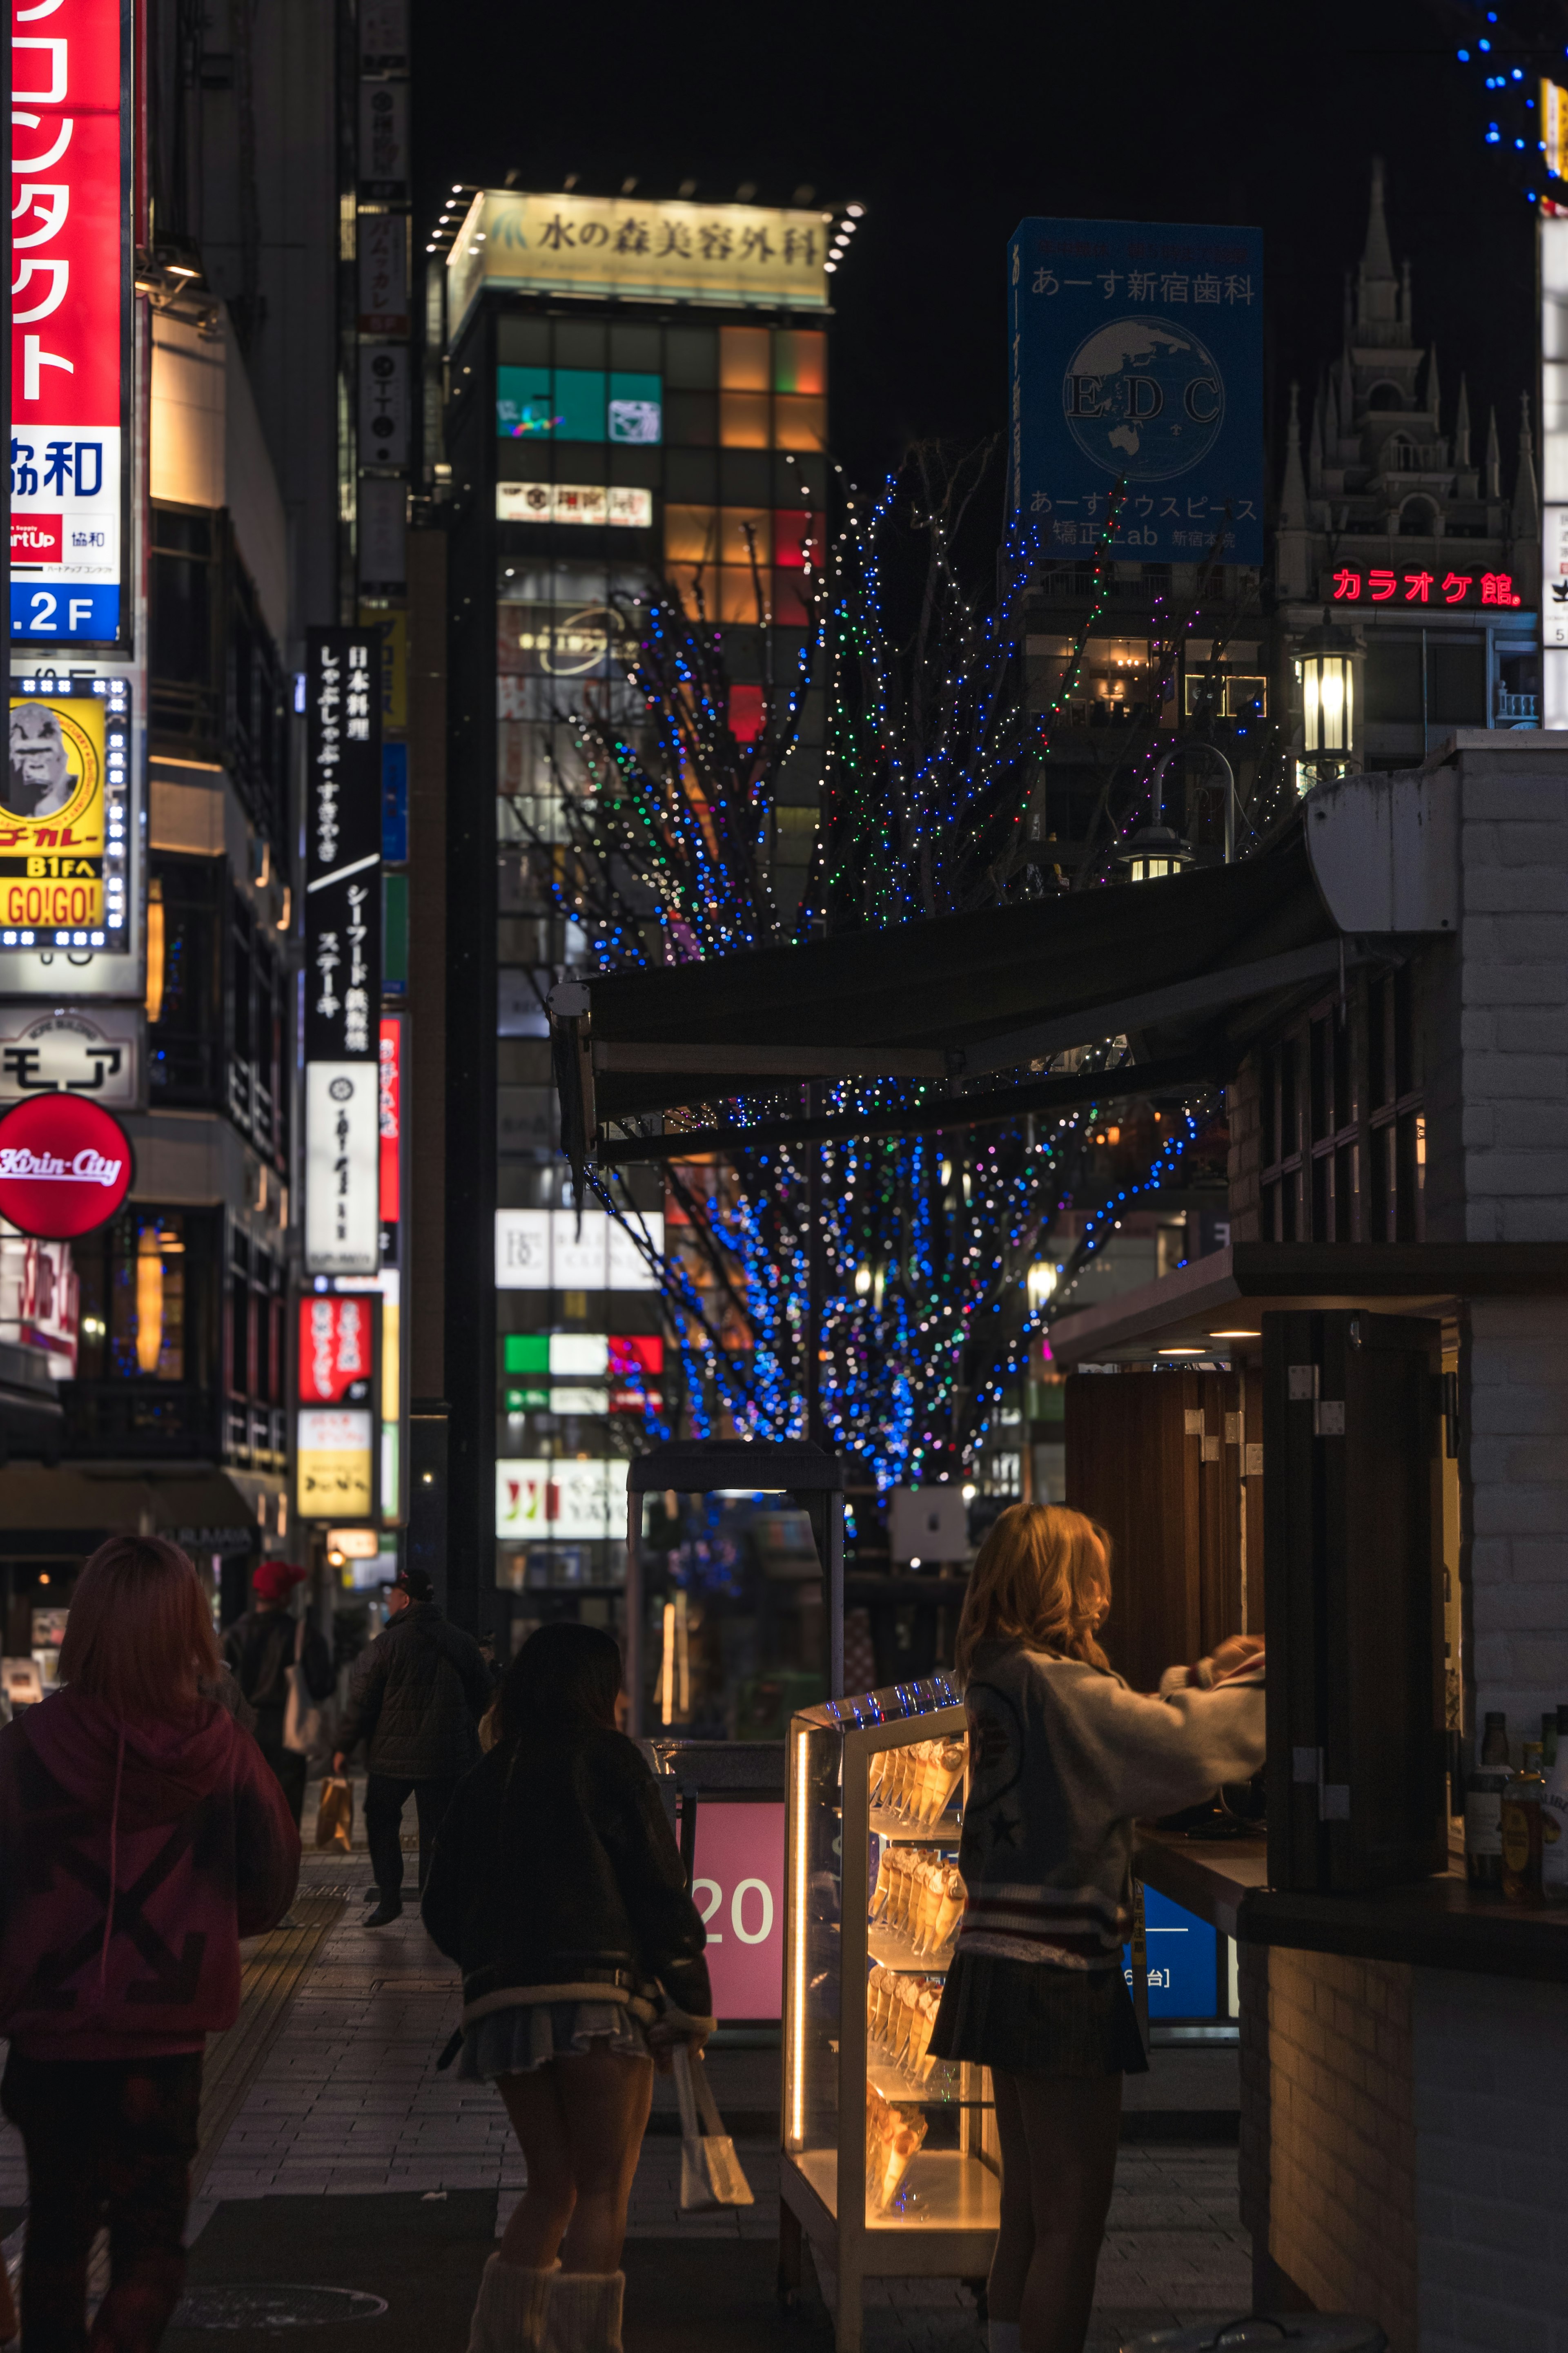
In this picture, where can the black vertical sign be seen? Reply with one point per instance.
(342, 845)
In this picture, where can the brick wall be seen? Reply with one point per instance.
(1514, 1528)
(1341, 2155)
(1513, 994)
(1491, 2093)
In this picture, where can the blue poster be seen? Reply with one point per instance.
(1182, 1958)
(1137, 357)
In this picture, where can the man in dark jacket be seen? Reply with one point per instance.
(259, 1650)
(416, 1700)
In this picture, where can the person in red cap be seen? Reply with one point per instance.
(262, 1649)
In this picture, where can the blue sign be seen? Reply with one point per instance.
(395, 804)
(1137, 358)
(1183, 1961)
(68, 609)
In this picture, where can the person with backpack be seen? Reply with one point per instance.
(558, 1888)
(142, 1836)
(274, 1658)
(416, 1700)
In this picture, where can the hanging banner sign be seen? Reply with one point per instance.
(1137, 357)
(65, 1166)
(391, 1118)
(70, 309)
(343, 844)
(338, 1347)
(73, 1052)
(343, 1168)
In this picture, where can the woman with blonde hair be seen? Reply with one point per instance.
(1063, 1758)
(143, 1837)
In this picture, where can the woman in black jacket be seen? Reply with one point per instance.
(557, 1885)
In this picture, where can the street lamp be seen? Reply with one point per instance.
(1156, 850)
(1327, 670)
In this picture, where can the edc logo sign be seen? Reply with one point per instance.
(65, 1166)
(1137, 381)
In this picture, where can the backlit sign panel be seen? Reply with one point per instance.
(1442, 587)
(69, 320)
(338, 1347)
(1137, 358)
(732, 254)
(542, 1249)
(343, 1168)
(612, 505)
(65, 1166)
(65, 817)
(564, 1499)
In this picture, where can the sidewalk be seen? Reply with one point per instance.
(352, 2164)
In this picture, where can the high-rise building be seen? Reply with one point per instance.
(636, 390)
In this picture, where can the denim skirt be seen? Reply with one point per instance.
(1034, 2017)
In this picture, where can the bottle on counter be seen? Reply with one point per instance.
(1554, 1821)
(1522, 1839)
(1483, 1807)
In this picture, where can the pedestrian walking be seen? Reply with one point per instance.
(280, 1661)
(416, 1698)
(1063, 1758)
(557, 1886)
(143, 1837)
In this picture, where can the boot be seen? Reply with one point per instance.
(510, 2316)
(586, 2313)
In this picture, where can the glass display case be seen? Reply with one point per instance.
(891, 2165)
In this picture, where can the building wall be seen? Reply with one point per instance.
(1514, 1532)
(1491, 2092)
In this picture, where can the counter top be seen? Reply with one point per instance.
(1437, 1924)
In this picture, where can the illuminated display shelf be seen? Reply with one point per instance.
(940, 2222)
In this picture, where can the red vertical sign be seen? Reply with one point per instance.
(68, 310)
(391, 1118)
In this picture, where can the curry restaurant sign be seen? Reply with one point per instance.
(620, 244)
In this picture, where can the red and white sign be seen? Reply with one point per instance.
(65, 1166)
(337, 1347)
(391, 1113)
(737, 1886)
(67, 320)
(1444, 587)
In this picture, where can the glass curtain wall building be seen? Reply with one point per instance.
(597, 442)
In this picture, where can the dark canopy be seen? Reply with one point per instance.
(950, 998)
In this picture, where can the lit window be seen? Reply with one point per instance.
(690, 534)
(800, 360)
(744, 419)
(743, 359)
(799, 424)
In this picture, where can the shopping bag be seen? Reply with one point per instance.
(711, 2172)
(335, 1814)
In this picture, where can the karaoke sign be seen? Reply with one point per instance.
(69, 318)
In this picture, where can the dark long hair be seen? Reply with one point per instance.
(564, 1678)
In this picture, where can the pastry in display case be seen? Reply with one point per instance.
(875, 1791)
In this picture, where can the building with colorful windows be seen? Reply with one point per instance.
(633, 390)
(1406, 555)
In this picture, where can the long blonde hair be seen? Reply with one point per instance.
(1042, 1578)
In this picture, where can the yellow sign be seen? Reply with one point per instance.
(1553, 126)
(51, 814)
(750, 254)
(336, 1469)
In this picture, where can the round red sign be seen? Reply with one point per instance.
(65, 1166)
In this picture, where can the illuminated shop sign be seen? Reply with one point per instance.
(553, 641)
(338, 1347)
(65, 1166)
(542, 1249)
(343, 951)
(564, 1499)
(1351, 585)
(64, 816)
(732, 254)
(72, 1051)
(70, 321)
(539, 404)
(339, 1344)
(593, 502)
(343, 1168)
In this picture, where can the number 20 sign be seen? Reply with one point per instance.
(739, 1887)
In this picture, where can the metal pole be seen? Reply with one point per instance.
(632, 1652)
(834, 1515)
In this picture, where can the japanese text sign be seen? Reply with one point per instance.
(390, 1119)
(1449, 585)
(336, 1463)
(64, 821)
(70, 321)
(343, 1168)
(338, 1347)
(343, 844)
(620, 244)
(1137, 357)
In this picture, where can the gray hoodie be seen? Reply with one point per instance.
(1063, 1758)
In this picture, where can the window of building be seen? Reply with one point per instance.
(1342, 1142)
(185, 999)
(146, 1368)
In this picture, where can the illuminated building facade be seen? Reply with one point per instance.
(634, 389)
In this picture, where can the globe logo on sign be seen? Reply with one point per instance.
(1143, 398)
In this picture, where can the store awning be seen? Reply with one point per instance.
(953, 1000)
(54, 1512)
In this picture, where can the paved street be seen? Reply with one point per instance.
(348, 2105)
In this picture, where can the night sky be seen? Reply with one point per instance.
(950, 125)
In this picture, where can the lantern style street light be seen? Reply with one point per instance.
(1327, 669)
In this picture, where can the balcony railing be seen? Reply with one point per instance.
(1517, 710)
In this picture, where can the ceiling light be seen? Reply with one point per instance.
(1188, 1349)
(855, 211)
(1235, 1336)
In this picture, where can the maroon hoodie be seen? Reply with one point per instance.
(183, 1824)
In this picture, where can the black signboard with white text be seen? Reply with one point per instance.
(342, 845)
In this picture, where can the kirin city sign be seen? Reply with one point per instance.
(65, 1166)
